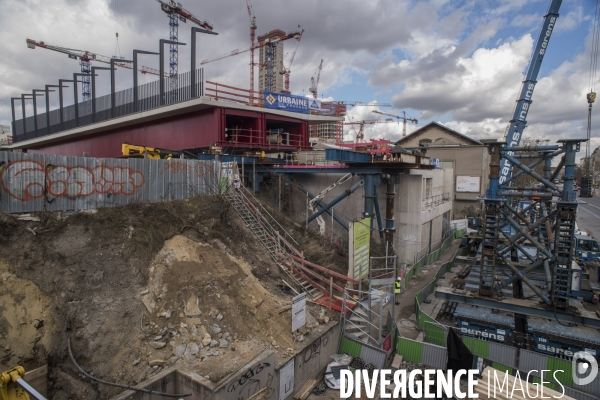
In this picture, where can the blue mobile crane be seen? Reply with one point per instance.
(514, 131)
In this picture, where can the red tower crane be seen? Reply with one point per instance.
(286, 71)
(252, 46)
(360, 136)
(403, 118)
(313, 86)
(86, 58)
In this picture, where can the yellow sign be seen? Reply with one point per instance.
(270, 99)
(361, 242)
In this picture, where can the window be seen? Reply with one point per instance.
(595, 246)
(424, 142)
(584, 245)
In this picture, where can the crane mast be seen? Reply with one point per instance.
(403, 118)
(514, 132)
(286, 71)
(252, 47)
(314, 85)
(177, 13)
(360, 136)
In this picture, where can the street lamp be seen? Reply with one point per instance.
(193, 67)
(60, 99)
(94, 69)
(112, 84)
(161, 52)
(48, 105)
(135, 75)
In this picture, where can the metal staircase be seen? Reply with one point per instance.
(489, 249)
(564, 237)
(276, 241)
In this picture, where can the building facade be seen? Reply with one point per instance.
(468, 156)
(277, 61)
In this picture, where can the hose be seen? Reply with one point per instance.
(118, 384)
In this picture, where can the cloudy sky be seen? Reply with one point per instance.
(457, 62)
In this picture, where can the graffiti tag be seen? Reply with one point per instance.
(248, 378)
(28, 180)
(315, 349)
(200, 168)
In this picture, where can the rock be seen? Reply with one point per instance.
(207, 339)
(166, 314)
(136, 361)
(223, 344)
(214, 343)
(155, 363)
(216, 330)
(144, 292)
(191, 307)
(192, 349)
(194, 331)
(219, 317)
(158, 345)
(173, 359)
(179, 350)
(226, 335)
(156, 339)
(218, 296)
(300, 338)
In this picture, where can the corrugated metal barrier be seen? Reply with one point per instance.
(38, 182)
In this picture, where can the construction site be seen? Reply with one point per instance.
(189, 238)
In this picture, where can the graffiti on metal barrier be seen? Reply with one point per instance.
(27, 180)
(199, 168)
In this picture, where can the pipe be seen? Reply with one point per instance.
(338, 219)
(113, 84)
(335, 201)
(378, 215)
(517, 193)
(553, 147)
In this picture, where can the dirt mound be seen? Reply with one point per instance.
(110, 279)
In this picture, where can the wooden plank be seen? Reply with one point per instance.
(38, 379)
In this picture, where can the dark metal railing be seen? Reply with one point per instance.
(148, 99)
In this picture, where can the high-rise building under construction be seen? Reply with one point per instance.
(277, 57)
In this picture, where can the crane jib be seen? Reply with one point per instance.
(519, 119)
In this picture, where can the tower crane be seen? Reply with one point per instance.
(86, 58)
(313, 86)
(286, 71)
(403, 118)
(360, 136)
(252, 47)
(292, 35)
(177, 13)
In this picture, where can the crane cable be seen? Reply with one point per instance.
(591, 96)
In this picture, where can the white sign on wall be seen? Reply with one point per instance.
(469, 184)
(286, 380)
(298, 311)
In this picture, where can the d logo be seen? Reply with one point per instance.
(586, 363)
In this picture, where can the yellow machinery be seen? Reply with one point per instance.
(135, 150)
(14, 387)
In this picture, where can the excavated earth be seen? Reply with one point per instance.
(141, 288)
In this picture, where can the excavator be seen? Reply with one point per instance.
(14, 387)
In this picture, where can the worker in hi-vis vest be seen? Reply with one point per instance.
(397, 290)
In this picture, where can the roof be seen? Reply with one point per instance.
(422, 129)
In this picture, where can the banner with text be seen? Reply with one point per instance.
(360, 241)
(288, 102)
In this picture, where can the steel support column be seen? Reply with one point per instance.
(193, 66)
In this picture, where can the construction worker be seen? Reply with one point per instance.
(397, 290)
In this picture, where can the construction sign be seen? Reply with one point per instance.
(287, 102)
(360, 247)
